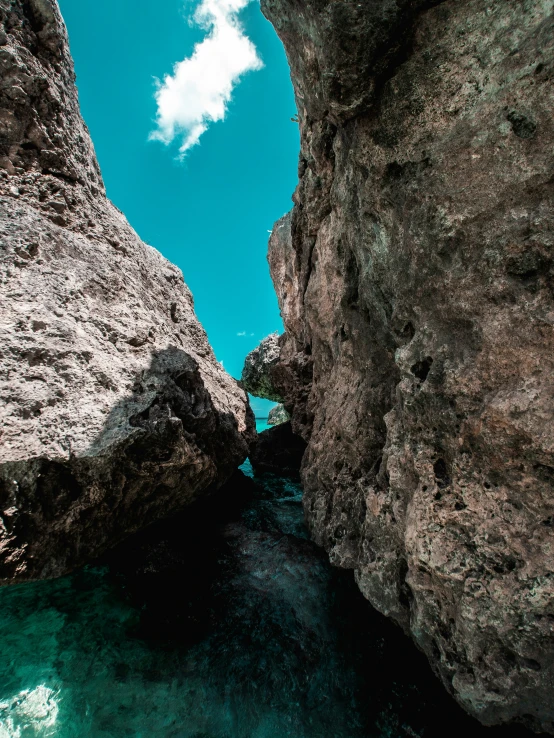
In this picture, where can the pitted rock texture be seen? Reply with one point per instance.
(257, 371)
(278, 415)
(114, 411)
(415, 276)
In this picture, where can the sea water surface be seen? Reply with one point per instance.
(222, 622)
(261, 424)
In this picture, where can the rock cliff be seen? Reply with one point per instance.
(415, 277)
(114, 411)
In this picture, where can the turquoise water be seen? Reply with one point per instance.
(261, 424)
(223, 622)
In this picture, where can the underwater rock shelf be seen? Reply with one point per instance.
(225, 622)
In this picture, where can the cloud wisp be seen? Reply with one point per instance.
(200, 88)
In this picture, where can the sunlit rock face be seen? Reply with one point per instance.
(256, 375)
(277, 415)
(415, 279)
(114, 411)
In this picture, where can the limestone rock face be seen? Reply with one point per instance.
(415, 276)
(113, 409)
(257, 371)
(277, 415)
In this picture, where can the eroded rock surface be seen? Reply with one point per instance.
(415, 276)
(114, 411)
(257, 371)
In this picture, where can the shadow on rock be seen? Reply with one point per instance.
(278, 450)
(159, 449)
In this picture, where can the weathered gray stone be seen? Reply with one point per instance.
(257, 371)
(278, 415)
(114, 411)
(415, 277)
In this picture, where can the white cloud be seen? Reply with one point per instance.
(244, 333)
(200, 88)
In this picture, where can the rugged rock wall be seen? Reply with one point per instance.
(114, 411)
(415, 277)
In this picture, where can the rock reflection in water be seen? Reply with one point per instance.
(223, 622)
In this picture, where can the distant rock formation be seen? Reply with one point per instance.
(278, 450)
(256, 375)
(415, 278)
(278, 415)
(114, 411)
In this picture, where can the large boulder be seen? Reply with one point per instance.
(279, 451)
(257, 371)
(114, 411)
(415, 277)
(278, 415)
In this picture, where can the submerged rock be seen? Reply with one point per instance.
(259, 638)
(278, 450)
(257, 371)
(114, 411)
(278, 415)
(415, 280)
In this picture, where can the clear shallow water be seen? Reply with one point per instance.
(224, 622)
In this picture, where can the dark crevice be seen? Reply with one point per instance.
(422, 368)
(442, 475)
(64, 177)
(34, 17)
(389, 61)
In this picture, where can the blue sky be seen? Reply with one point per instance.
(211, 212)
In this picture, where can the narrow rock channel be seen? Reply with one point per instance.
(223, 622)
